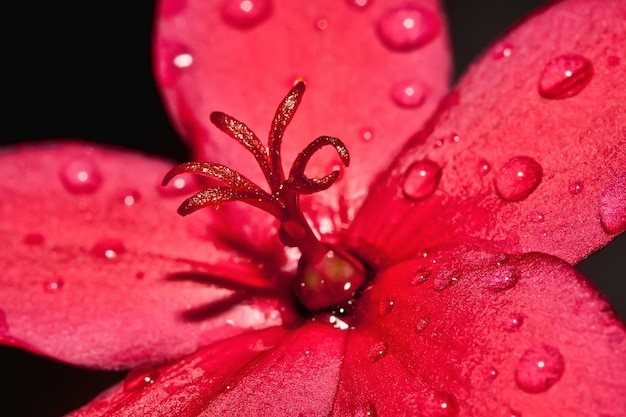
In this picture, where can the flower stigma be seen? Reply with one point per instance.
(328, 277)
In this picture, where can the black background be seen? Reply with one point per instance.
(81, 69)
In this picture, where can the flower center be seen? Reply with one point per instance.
(328, 277)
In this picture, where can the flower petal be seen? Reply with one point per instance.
(100, 271)
(530, 149)
(375, 71)
(484, 335)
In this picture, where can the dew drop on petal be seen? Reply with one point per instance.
(108, 248)
(501, 50)
(377, 351)
(140, 377)
(422, 324)
(130, 197)
(421, 179)
(365, 410)
(173, 58)
(244, 14)
(492, 373)
(575, 187)
(180, 185)
(53, 286)
(518, 178)
(565, 76)
(503, 278)
(440, 404)
(34, 239)
(613, 205)
(513, 322)
(81, 176)
(420, 276)
(359, 4)
(321, 24)
(539, 368)
(409, 94)
(366, 134)
(483, 167)
(407, 28)
(386, 306)
(514, 413)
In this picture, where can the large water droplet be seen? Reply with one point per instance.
(492, 373)
(513, 322)
(366, 410)
(420, 276)
(421, 179)
(518, 178)
(503, 278)
(245, 14)
(386, 306)
(483, 167)
(422, 324)
(539, 368)
(440, 404)
(613, 205)
(108, 248)
(140, 377)
(53, 286)
(130, 197)
(34, 239)
(359, 4)
(183, 184)
(501, 50)
(565, 76)
(81, 176)
(377, 351)
(173, 58)
(408, 93)
(407, 28)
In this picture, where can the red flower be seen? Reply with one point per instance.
(466, 310)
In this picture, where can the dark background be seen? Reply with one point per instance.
(81, 69)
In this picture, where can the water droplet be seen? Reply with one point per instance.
(173, 58)
(445, 280)
(513, 322)
(407, 28)
(514, 413)
(244, 14)
(422, 324)
(501, 50)
(34, 239)
(503, 278)
(492, 373)
(536, 217)
(565, 76)
(81, 176)
(539, 368)
(367, 134)
(108, 248)
(130, 197)
(612, 61)
(440, 404)
(183, 184)
(359, 4)
(321, 24)
(575, 187)
(613, 205)
(518, 178)
(386, 306)
(53, 286)
(454, 138)
(421, 179)
(420, 276)
(366, 410)
(483, 167)
(140, 377)
(377, 351)
(408, 93)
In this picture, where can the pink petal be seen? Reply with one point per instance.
(531, 146)
(484, 335)
(374, 73)
(99, 270)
